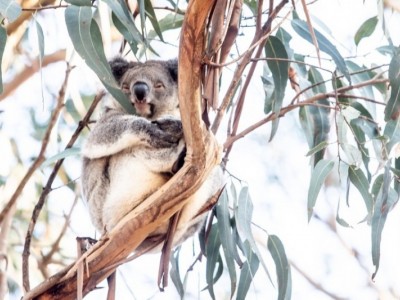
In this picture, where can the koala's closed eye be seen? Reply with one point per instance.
(125, 88)
(159, 85)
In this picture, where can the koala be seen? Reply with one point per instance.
(128, 157)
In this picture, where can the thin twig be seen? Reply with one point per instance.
(46, 259)
(315, 284)
(36, 165)
(47, 189)
(272, 116)
(44, 7)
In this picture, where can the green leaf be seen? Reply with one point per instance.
(360, 181)
(125, 24)
(324, 44)
(213, 256)
(385, 200)
(153, 18)
(366, 29)
(170, 21)
(80, 2)
(315, 119)
(174, 272)
(318, 176)
(3, 40)
(243, 214)
(10, 9)
(392, 131)
(63, 154)
(278, 254)
(247, 272)
(319, 147)
(275, 50)
(86, 38)
(226, 237)
(392, 110)
(39, 32)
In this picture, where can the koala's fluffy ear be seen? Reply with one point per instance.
(172, 67)
(119, 66)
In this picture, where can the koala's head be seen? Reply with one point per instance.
(152, 87)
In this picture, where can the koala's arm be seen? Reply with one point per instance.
(116, 131)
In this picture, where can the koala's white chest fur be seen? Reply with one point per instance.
(126, 191)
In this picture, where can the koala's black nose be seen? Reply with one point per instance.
(140, 90)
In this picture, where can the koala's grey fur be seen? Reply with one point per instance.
(128, 157)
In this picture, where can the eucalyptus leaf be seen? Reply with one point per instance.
(125, 23)
(319, 147)
(275, 51)
(153, 18)
(213, 256)
(10, 9)
(3, 40)
(324, 44)
(318, 176)
(243, 216)
(247, 272)
(392, 110)
(86, 38)
(226, 237)
(174, 272)
(366, 29)
(392, 132)
(315, 119)
(360, 181)
(282, 265)
(80, 2)
(383, 203)
(63, 154)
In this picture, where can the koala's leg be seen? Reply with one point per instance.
(116, 131)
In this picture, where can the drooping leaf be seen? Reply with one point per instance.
(243, 213)
(315, 119)
(125, 24)
(80, 2)
(10, 9)
(153, 18)
(283, 273)
(39, 32)
(325, 45)
(360, 181)
(319, 147)
(385, 200)
(174, 272)
(226, 237)
(366, 29)
(285, 38)
(274, 51)
(213, 257)
(86, 37)
(170, 21)
(3, 40)
(392, 132)
(392, 110)
(247, 272)
(318, 176)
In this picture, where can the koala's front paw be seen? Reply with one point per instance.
(159, 138)
(171, 126)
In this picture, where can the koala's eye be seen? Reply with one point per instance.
(125, 88)
(159, 85)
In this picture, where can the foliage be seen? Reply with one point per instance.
(348, 109)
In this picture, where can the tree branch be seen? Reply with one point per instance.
(30, 70)
(202, 155)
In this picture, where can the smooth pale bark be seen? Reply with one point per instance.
(202, 155)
